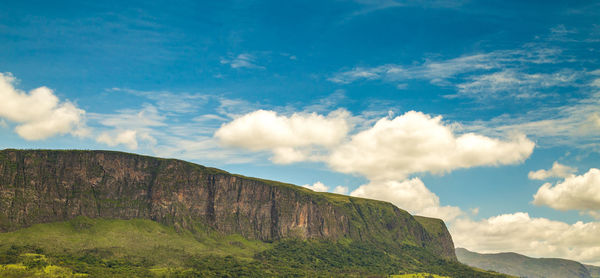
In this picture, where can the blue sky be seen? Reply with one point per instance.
(445, 108)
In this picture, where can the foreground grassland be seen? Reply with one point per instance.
(142, 248)
(418, 275)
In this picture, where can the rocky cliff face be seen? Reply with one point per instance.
(440, 237)
(45, 186)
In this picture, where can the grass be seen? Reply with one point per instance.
(418, 275)
(135, 239)
(143, 248)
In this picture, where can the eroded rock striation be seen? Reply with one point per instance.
(40, 186)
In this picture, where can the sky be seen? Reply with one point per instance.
(485, 114)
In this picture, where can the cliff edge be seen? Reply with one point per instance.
(41, 186)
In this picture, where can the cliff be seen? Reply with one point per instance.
(41, 186)
(440, 237)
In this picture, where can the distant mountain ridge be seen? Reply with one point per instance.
(523, 266)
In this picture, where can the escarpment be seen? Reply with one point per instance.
(40, 186)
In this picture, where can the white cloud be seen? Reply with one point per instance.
(557, 171)
(317, 186)
(386, 153)
(320, 187)
(411, 195)
(416, 143)
(125, 137)
(39, 114)
(574, 193)
(244, 60)
(537, 237)
(341, 190)
(129, 127)
(265, 130)
(287, 155)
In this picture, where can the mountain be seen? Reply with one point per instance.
(79, 193)
(523, 266)
(594, 270)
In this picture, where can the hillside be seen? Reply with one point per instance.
(594, 270)
(523, 266)
(77, 194)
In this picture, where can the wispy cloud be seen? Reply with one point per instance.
(512, 73)
(170, 124)
(515, 84)
(574, 124)
(441, 71)
(370, 6)
(243, 60)
(168, 101)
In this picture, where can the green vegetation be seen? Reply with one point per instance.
(197, 234)
(129, 239)
(143, 248)
(433, 226)
(418, 275)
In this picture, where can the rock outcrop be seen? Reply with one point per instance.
(40, 186)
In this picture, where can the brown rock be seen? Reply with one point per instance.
(39, 186)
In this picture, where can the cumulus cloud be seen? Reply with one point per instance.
(317, 186)
(341, 190)
(537, 237)
(39, 114)
(411, 195)
(557, 171)
(416, 143)
(125, 137)
(386, 153)
(284, 136)
(320, 187)
(573, 193)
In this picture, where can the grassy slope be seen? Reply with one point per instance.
(143, 248)
(133, 239)
(365, 215)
